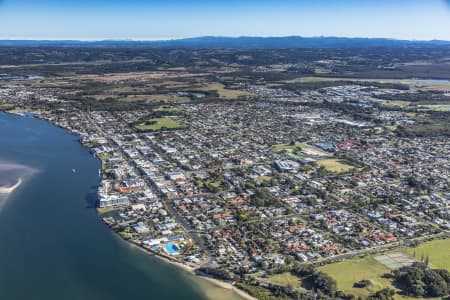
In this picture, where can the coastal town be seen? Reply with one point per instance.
(224, 150)
(251, 186)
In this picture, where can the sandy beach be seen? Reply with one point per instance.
(228, 286)
(216, 282)
(12, 175)
(5, 190)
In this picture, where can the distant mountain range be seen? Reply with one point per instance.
(213, 42)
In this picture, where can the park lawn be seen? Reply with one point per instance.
(160, 123)
(311, 150)
(391, 128)
(300, 147)
(216, 184)
(438, 252)
(103, 156)
(105, 210)
(169, 109)
(6, 106)
(263, 179)
(292, 151)
(213, 186)
(350, 271)
(347, 272)
(282, 147)
(285, 279)
(334, 165)
(223, 92)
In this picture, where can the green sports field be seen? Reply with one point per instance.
(348, 272)
(438, 252)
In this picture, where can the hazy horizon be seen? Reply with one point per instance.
(175, 19)
(217, 36)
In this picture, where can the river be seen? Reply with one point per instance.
(52, 243)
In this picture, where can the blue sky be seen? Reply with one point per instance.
(163, 19)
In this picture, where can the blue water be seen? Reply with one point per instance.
(171, 249)
(53, 245)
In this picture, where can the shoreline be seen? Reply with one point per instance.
(227, 286)
(184, 267)
(170, 260)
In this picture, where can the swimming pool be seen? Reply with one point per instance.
(171, 249)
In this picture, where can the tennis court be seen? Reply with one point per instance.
(396, 260)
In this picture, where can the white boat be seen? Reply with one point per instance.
(73, 170)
